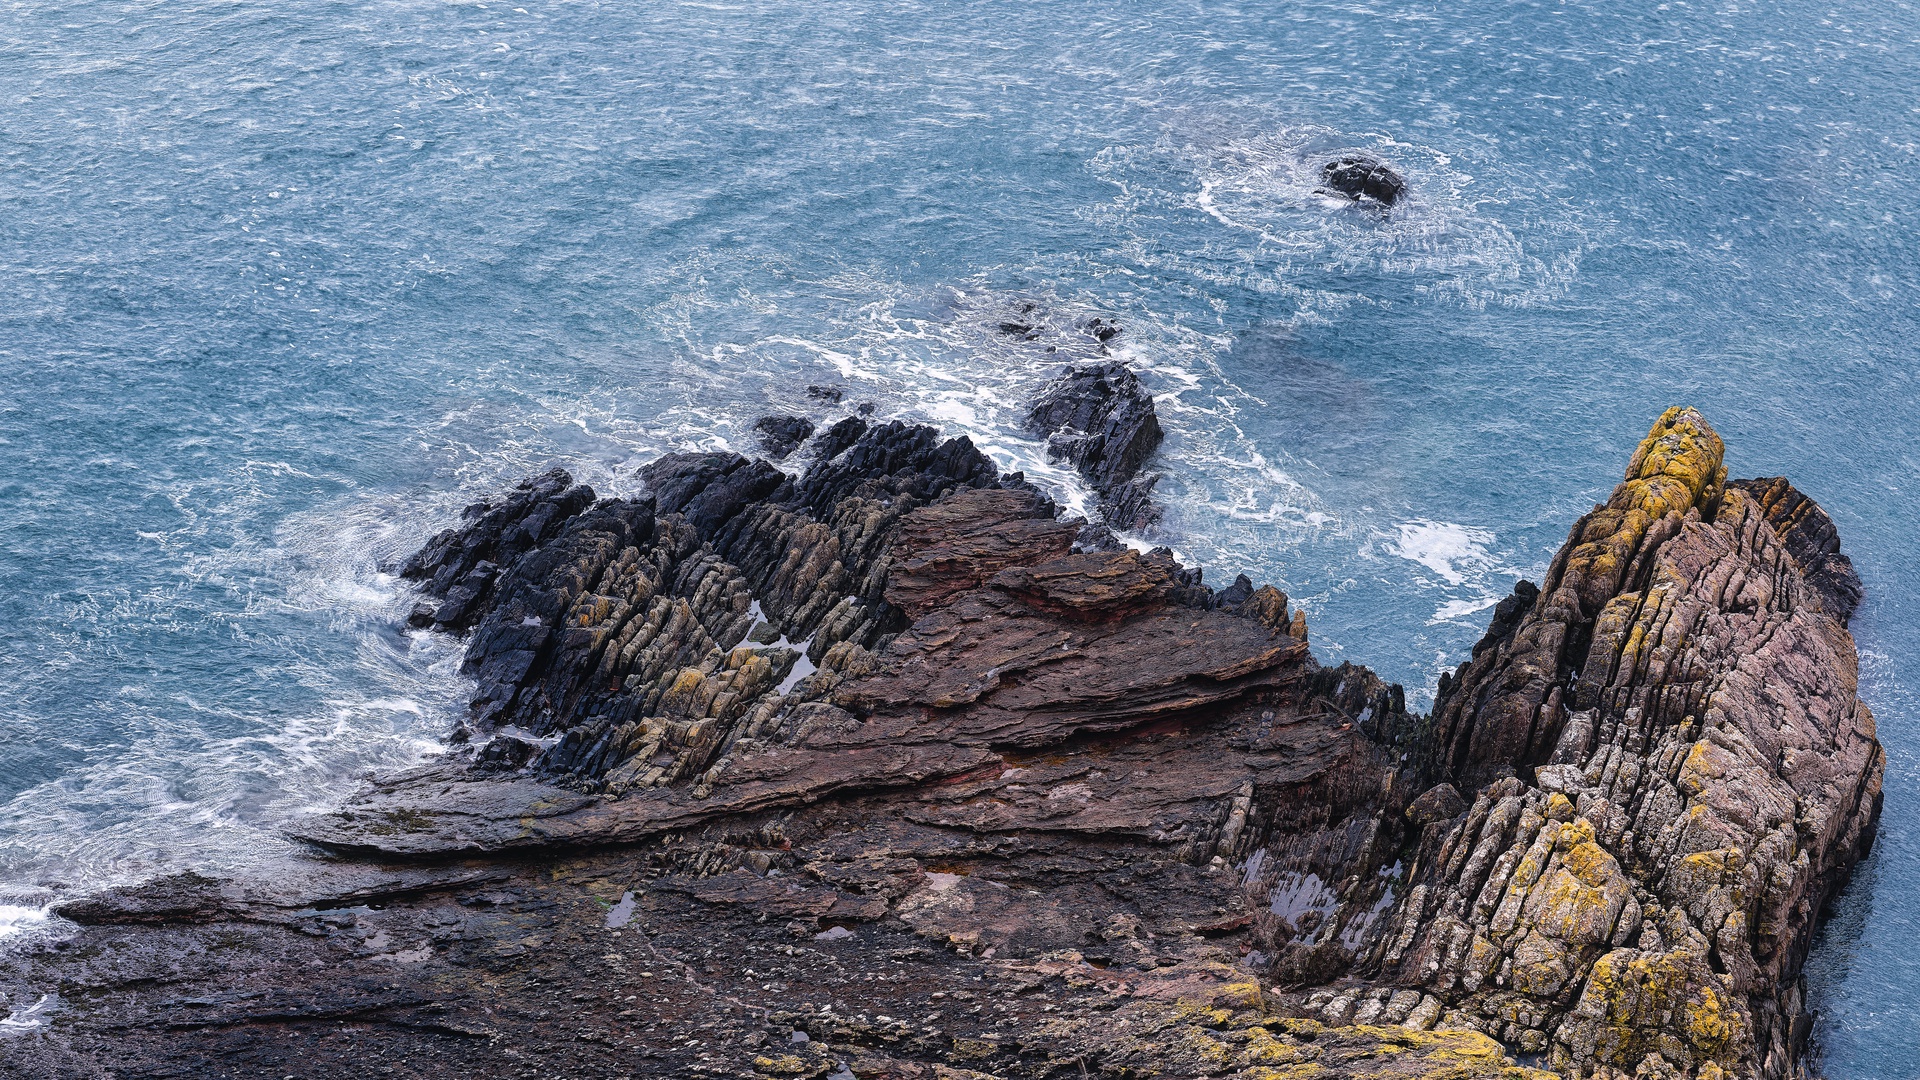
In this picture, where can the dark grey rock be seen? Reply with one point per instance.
(1360, 177)
(1099, 418)
(781, 435)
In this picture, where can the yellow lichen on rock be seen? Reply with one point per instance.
(1677, 467)
(1307, 1071)
(1708, 1024)
(1683, 449)
(1263, 1049)
(1633, 1000)
(1216, 1024)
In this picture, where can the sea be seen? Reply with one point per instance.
(285, 285)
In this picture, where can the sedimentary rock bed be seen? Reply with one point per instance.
(885, 770)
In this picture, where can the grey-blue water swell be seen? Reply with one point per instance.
(282, 285)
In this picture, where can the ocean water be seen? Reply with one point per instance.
(282, 286)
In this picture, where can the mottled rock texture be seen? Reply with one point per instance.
(879, 770)
(1691, 778)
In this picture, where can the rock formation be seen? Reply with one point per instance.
(876, 772)
(1099, 418)
(782, 435)
(1690, 778)
(1359, 177)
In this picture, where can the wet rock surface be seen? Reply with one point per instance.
(1359, 177)
(782, 435)
(878, 771)
(1101, 420)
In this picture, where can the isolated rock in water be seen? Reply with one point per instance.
(1025, 325)
(1069, 808)
(1101, 419)
(780, 435)
(828, 394)
(1102, 329)
(1359, 177)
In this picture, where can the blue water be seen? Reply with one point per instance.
(284, 285)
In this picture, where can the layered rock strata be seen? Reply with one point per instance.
(1689, 778)
(880, 771)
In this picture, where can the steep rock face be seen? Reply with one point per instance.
(1505, 709)
(1812, 540)
(890, 697)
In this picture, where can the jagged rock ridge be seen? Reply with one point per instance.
(1671, 772)
(1681, 695)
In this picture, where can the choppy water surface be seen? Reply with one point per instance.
(282, 286)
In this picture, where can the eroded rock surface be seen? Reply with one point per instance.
(879, 771)
(782, 435)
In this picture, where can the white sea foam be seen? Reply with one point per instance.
(1460, 609)
(1449, 236)
(1450, 550)
(184, 790)
(181, 793)
(18, 918)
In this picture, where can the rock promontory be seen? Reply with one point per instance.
(880, 770)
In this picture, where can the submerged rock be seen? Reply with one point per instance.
(886, 773)
(1102, 329)
(1360, 177)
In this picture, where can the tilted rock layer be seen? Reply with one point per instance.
(878, 770)
(1681, 694)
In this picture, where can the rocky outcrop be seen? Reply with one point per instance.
(1099, 418)
(1690, 778)
(879, 771)
(457, 568)
(1359, 178)
(1812, 540)
(782, 435)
